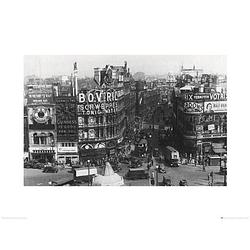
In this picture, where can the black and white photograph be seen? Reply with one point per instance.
(147, 121)
(124, 125)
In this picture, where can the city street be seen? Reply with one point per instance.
(35, 177)
(194, 175)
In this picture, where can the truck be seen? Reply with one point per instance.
(171, 156)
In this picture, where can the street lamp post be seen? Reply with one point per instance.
(156, 175)
(88, 165)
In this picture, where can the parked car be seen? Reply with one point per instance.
(136, 173)
(183, 182)
(38, 165)
(174, 165)
(223, 169)
(30, 164)
(50, 169)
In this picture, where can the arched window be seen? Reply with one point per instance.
(43, 138)
(51, 138)
(35, 138)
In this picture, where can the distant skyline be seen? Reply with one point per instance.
(49, 65)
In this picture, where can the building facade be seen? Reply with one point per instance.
(67, 129)
(201, 121)
(101, 113)
(41, 124)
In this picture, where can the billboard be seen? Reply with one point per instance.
(215, 106)
(96, 102)
(193, 107)
(39, 98)
(41, 117)
(215, 96)
(66, 118)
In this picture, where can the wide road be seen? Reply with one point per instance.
(35, 177)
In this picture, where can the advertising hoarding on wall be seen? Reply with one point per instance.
(215, 96)
(216, 106)
(211, 127)
(66, 118)
(96, 102)
(67, 150)
(39, 98)
(193, 107)
(41, 117)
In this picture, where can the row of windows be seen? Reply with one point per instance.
(68, 144)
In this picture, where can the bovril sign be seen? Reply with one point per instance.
(98, 102)
(94, 96)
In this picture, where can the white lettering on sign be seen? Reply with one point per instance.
(81, 97)
(218, 96)
(99, 96)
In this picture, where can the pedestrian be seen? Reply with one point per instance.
(212, 178)
(208, 178)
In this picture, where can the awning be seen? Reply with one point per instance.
(219, 150)
(43, 152)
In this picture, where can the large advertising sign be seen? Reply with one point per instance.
(41, 117)
(39, 98)
(215, 96)
(193, 107)
(219, 106)
(66, 118)
(95, 102)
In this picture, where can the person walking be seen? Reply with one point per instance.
(208, 178)
(212, 178)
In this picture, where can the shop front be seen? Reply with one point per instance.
(43, 155)
(67, 153)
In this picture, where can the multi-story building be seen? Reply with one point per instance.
(201, 120)
(41, 123)
(26, 133)
(101, 113)
(66, 120)
(147, 100)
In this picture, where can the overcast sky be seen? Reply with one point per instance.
(46, 66)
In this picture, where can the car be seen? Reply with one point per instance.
(183, 182)
(30, 164)
(50, 170)
(38, 165)
(223, 169)
(137, 173)
(166, 182)
(156, 153)
(174, 165)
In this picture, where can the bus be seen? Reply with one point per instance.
(171, 156)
